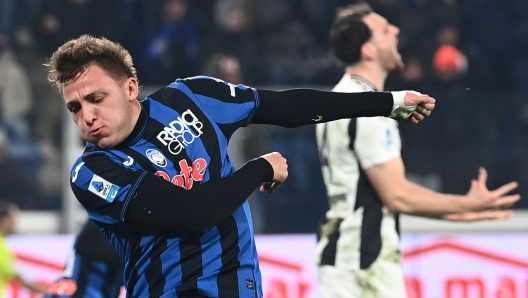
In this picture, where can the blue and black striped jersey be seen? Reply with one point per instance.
(181, 136)
(178, 236)
(94, 267)
(93, 278)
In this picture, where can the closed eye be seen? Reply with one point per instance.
(73, 108)
(97, 99)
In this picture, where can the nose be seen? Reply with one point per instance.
(396, 30)
(89, 115)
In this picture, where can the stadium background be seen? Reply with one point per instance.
(471, 55)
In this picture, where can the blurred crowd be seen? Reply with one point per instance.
(471, 55)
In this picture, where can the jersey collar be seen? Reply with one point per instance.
(358, 78)
(139, 129)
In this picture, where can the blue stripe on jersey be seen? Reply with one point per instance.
(258, 276)
(77, 259)
(144, 262)
(107, 219)
(172, 270)
(122, 249)
(96, 280)
(248, 216)
(248, 255)
(211, 258)
(227, 165)
(225, 113)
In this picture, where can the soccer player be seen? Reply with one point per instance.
(93, 270)
(142, 175)
(358, 254)
(8, 220)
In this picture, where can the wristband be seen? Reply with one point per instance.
(399, 110)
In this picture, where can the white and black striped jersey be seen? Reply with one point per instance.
(358, 226)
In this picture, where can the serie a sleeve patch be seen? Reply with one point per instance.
(103, 188)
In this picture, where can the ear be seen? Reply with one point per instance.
(368, 51)
(132, 86)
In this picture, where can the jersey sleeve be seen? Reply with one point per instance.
(377, 141)
(102, 185)
(297, 107)
(225, 102)
(113, 194)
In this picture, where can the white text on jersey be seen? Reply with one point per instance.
(181, 132)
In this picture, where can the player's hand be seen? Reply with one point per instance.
(413, 98)
(422, 110)
(480, 215)
(280, 171)
(484, 199)
(411, 106)
(424, 105)
(62, 287)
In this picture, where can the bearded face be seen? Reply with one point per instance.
(390, 59)
(385, 41)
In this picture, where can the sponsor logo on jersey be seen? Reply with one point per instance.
(188, 173)
(156, 157)
(76, 171)
(181, 132)
(250, 284)
(103, 188)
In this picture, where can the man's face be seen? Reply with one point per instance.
(385, 41)
(102, 107)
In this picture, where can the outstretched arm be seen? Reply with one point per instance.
(401, 195)
(296, 107)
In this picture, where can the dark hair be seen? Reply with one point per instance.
(76, 55)
(349, 32)
(6, 208)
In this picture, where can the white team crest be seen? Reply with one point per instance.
(156, 157)
(103, 188)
